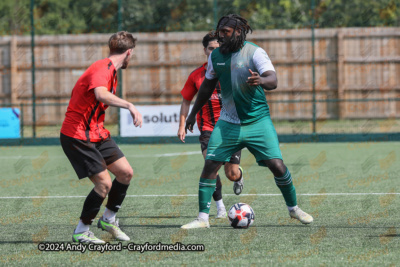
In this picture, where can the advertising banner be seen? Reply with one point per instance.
(160, 120)
(9, 123)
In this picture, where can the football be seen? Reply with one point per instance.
(241, 215)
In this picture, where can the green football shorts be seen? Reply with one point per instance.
(259, 137)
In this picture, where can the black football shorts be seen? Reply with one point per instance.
(89, 158)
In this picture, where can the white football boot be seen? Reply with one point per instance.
(197, 223)
(300, 215)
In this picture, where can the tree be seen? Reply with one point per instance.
(58, 17)
(14, 17)
(88, 16)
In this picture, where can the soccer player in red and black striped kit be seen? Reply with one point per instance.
(206, 120)
(88, 145)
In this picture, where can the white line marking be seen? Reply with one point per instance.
(195, 195)
(178, 154)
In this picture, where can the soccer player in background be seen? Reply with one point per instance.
(88, 145)
(244, 71)
(206, 119)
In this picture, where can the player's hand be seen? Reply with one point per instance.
(182, 134)
(254, 79)
(190, 121)
(136, 116)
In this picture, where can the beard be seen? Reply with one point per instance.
(125, 63)
(229, 45)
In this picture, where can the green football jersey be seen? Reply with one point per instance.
(241, 103)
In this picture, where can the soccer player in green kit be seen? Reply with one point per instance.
(245, 119)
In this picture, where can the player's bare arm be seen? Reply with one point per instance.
(182, 119)
(205, 92)
(104, 96)
(267, 80)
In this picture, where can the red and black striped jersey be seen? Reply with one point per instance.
(209, 113)
(85, 114)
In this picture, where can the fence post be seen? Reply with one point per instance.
(22, 120)
(13, 68)
(215, 11)
(340, 74)
(33, 70)
(120, 78)
(314, 111)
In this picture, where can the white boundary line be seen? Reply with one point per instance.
(195, 195)
(177, 154)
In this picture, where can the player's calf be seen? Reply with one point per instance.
(108, 222)
(90, 209)
(206, 189)
(285, 184)
(115, 198)
(217, 196)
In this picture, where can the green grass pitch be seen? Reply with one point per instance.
(335, 183)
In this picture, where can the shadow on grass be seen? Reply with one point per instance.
(300, 226)
(384, 235)
(31, 242)
(219, 226)
(152, 225)
(155, 217)
(225, 225)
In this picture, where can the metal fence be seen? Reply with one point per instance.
(331, 81)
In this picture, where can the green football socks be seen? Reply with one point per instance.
(206, 190)
(286, 186)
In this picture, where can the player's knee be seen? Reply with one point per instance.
(127, 174)
(130, 173)
(277, 167)
(107, 187)
(209, 164)
(210, 169)
(232, 172)
(103, 188)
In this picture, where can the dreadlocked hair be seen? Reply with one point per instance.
(236, 22)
